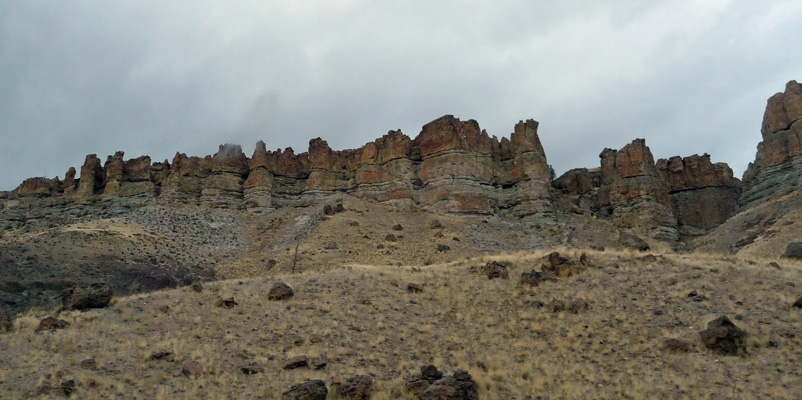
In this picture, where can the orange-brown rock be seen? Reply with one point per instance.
(777, 166)
(703, 194)
(38, 187)
(694, 172)
(229, 159)
(257, 189)
(783, 109)
(634, 159)
(69, 181)
(92, 178)
(222, 185)
(137, 170)
(578, 181)
(447, 133)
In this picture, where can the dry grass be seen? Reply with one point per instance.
(461, 320)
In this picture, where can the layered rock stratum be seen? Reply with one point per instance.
(451, 166)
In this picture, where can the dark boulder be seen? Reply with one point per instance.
(723, 337)
(96, 295)
(794, 250)
(358, 387)
(414, 288)
(226, 303)
(311, 390)
(676, 346)
(280, 291)
(495, 269)
(296, 362)
(6, 323)
(459, 386)
(632, 242)
(51, 324)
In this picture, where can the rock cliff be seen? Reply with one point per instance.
(655, 199)
(703, 195)
(777, 169)
(452, 166)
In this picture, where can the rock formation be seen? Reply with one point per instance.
(703, 194)
(625, 188)
(452, 166)
(777, 169)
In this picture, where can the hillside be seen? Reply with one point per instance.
(355, 319)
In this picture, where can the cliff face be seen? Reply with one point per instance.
(452, 166)
(777, 168)
(664, 200)
(703, 195)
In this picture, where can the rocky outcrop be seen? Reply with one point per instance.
(777, 169)
(690, 194)
(703, 194)
(227, 169)
(627, 189)
(462, 169)
(452, 166)
(92, 178)
(41, 187)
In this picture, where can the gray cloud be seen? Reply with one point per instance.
(159, 77)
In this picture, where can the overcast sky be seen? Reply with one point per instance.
(156, 77)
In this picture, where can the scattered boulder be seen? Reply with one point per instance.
(676, 346)
(311, 390)
(431, 385)
(495, 269)
(794, 250)
(458, 386)
(162, 355)
(51, 324)
(534, 278)
(390, 238)
(192, 369)
(96, 295)
(280, 291)
(797, 303)
(435, 225)
(414, 288)
(649, 258)
(577, 305)
(226, 303)
(89, 364)
(443, 247)
(68, 387)
(631, 241)
(556, 306)
(723, 337)
(6, 322)
(555, 259)
(417, 384)
(251, 369)
(358, 387)
(296, 362)
(398, 227)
